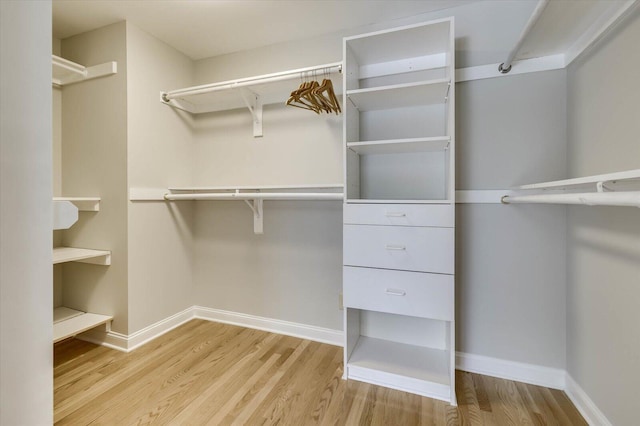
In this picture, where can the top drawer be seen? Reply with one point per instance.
(440, 215)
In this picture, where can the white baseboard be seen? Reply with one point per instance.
(584, 404)
(520, 372)
(304, 331)
(128, 343)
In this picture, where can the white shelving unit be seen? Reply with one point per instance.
(69, 322)
(398, 257)
(251, 92)
(67, 72)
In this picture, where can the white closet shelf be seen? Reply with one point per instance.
(400, 146)
(423, 370)
(610, 189)
(84, 204)
(391, 46)
(256, 187)
(74, 254)
(428, 92)
(587, 180)
(67, 72)
(250, 92)
(393, 201)
(69, 322)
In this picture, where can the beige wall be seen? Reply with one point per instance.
(94, 163)
(160, 154)
(26, 363)
(603, 293)
(510, 260)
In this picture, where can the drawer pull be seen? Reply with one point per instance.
(395, 214)
(395, 292)
(393, 247)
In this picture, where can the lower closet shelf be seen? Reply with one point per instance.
(70, 322)
(411, 368)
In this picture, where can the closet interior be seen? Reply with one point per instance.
(370, 201)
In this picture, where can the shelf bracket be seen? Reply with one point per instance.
(257, 209)
(254, 103)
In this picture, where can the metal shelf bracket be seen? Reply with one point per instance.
(258, 214)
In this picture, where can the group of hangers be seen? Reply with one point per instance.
(316, 97)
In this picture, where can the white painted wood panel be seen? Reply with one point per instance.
(399, 247)
(399, 292)
(439, 215)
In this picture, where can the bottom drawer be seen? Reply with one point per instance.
(416, 294)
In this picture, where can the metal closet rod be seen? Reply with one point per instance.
(505, 67)
(251, 81)
(623, 198)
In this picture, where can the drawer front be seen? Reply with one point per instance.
(399, 247)
(399, 214)
(399, 292)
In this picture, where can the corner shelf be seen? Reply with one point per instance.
(69, 322)
(68, 72)
(74, 254)
(83, 204)
(400, 95)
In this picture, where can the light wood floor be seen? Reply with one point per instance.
(209, 373)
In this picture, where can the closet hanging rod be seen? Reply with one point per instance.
(623, 198)
(258, 196)
(505, 67)
(332, 68)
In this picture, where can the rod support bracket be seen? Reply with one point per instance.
(256, 207)
(254, 104)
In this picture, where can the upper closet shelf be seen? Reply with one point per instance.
(250, 92)
(611, 189)
(67, 72)
(400, 95)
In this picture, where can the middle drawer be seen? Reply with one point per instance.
(399, 247)
(399, 292)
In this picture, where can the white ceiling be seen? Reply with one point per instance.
(486, 30)
(206, 28)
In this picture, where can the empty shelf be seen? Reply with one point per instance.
(394, 201)
(84, 204)
(400, 146)
(67, 72)
(69, 322)
(400, 95)
(628, 175)
(73, 254)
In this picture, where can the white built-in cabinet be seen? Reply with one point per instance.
(68, 322)
(399, 211)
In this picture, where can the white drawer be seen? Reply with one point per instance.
(399, 247)
(399, 292)
(399, 214)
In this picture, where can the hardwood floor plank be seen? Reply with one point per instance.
(209, 373)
